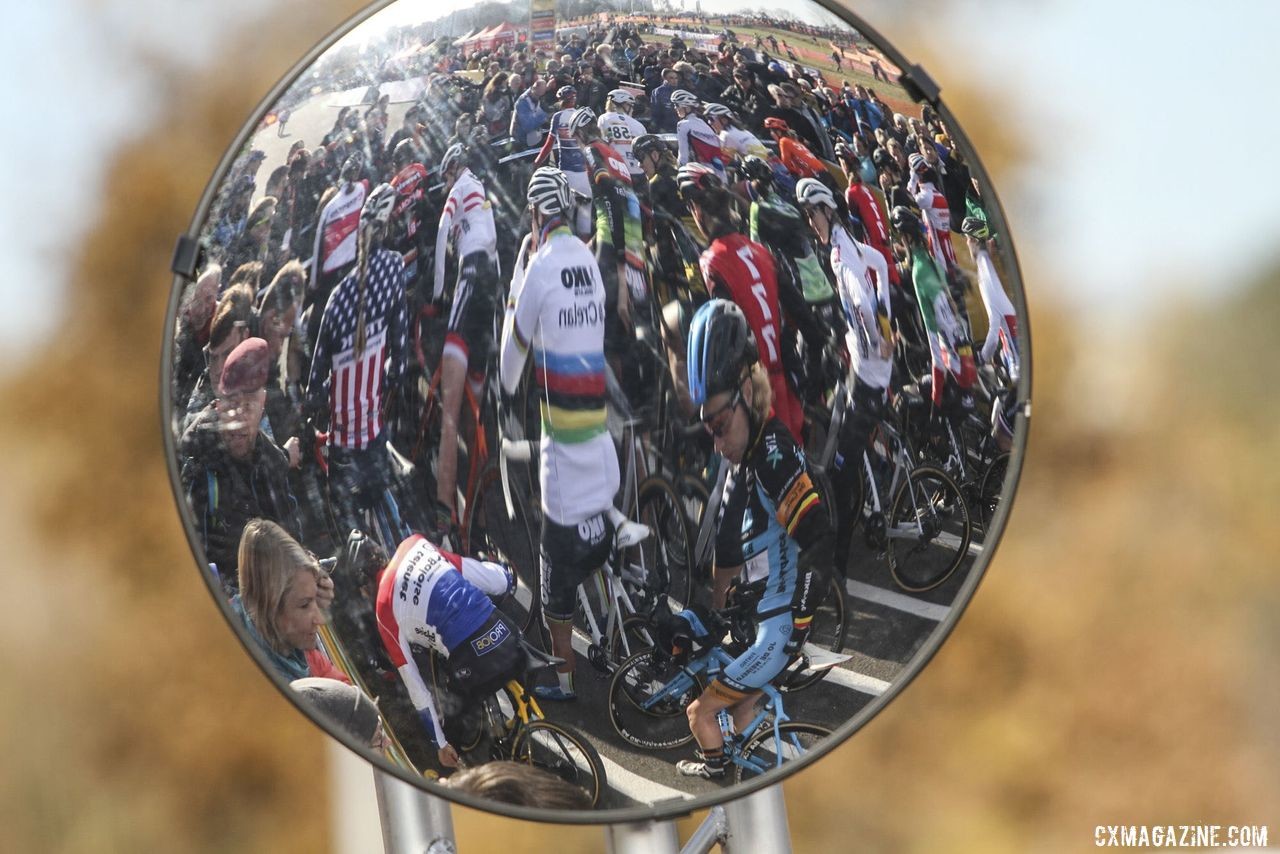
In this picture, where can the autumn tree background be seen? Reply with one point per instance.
(1118, 664)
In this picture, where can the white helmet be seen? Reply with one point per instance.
(622, 97)
(549, 191)
(811, 191)
(716, 111)
(683, 98)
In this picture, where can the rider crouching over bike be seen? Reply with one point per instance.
(773, 525)
(430, 599)
(557, 309)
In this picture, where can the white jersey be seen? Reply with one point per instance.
(699, 144)
(737, 142)
(467, 222)
(1001, 317)
(620, 130)
(862, 276)
(335, 244)
(557, 310)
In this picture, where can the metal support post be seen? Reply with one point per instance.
(758, 823)
(413, 822)
(643, 837)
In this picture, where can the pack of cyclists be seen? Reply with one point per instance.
(762, 272)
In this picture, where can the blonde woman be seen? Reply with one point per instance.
(284, 599)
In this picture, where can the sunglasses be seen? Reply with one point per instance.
(718, 422)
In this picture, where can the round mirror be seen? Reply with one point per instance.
(596, 418)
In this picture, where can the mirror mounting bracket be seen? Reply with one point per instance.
(188, 255)
(920, 85)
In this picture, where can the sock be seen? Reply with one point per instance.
(714, 757)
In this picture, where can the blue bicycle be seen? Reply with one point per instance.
(651, 690)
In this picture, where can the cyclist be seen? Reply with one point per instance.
(698, 142)
(557, 310)
(735, 267)
(334, 252)
(359, 355)
(865, 204)
(621, 131)
(863, 280)
(1002, 321)
(466, 224)
(735, 139)
(950, 351)
(434, 600)
(793, 153)
(569, 158)
(935, 210)
(806, 295)
(773, 525)
(619, 240)
(410, 183)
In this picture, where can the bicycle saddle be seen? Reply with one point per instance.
(535, 659)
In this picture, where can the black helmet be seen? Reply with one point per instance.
(405, 152)
(646, 144)
(757, 169)
(721, 347)
(696, 179)
(363, 558)
(905, 222)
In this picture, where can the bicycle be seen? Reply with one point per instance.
(650, 691)
(510, 725)
(925, 533)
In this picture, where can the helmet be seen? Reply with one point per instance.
(695, 179)
(352, 166)
(566, 92)
(376, 212)
(811, 191)
(882, 158)
(683, 98)
(975, 227)
(757, 169)
(549, 192)
(583, 117)
(457, 155)
(405, 152)
(904, 221)
(917, 163)
(363, 559)
(844, 152)
(721, 347)
(717, 111)
(622, 96)
(647, 143)
(775, 123)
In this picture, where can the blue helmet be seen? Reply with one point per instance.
(721, 347)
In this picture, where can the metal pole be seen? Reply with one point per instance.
(413, 822)
(710, 833)
(758, 823)
(645, 837)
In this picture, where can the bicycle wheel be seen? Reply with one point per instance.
(763, 753)
(487, 528)
(666, 557)
(559, 750)
(662, 724)
(989, 491)
(928, 530)
(826, 632)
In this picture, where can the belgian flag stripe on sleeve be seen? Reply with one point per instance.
(800, 499)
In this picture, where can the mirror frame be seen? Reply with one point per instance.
(922, 90)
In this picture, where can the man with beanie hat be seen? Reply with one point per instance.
(231, 471)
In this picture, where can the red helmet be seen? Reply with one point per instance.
(775, 123)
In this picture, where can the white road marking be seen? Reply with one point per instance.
(898, 601)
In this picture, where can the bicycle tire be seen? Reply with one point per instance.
(797, 739)
(485, 527)
(931, 506)
(559, 750)
(661, 727)
(827, 631)
(668, 553)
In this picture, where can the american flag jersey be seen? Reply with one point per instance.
(354, 382)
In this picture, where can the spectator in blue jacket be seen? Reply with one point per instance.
(529, 118)
(664, 116)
